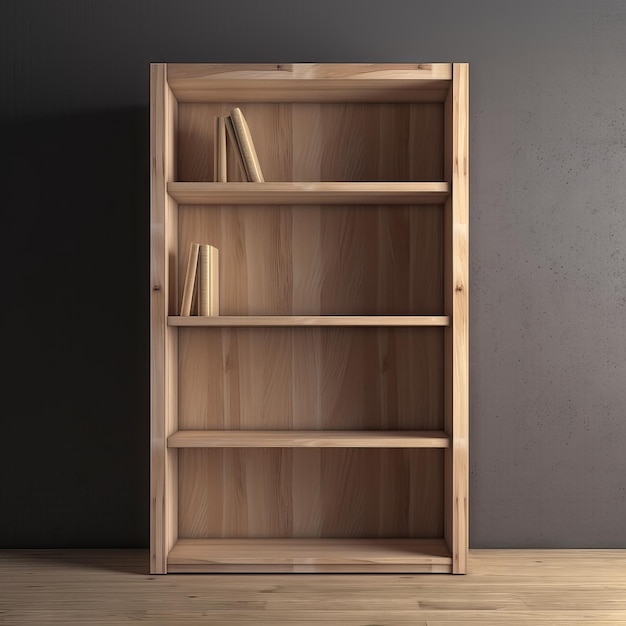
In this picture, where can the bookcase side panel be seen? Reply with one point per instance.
(163, 340)
(456, 336)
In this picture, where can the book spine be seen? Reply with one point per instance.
(219, 156)
(208, 281)
(230, 130)
(246, 145)
(203, 280)
(214, 290)
(190, 280)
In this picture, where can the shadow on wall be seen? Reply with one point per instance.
(75, 301)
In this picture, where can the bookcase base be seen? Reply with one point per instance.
(310, 556)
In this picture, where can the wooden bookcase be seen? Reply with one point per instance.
(320, 423)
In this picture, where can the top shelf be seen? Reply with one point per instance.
(310, 193)
(310, 82)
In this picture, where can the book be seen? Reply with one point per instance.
(246, 146)
(228, 123)
(190, 280)
(208, 281)
(219, 156)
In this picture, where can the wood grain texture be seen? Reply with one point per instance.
(456, 335)
(257, 492)
(310, 261)
(310, 555)
(196, 142)
(300, 320)
(311, 378)
(310, 193)
(341, 142)
(310, 82)
(307, 439)
(163, 340)
(502, 587)
(364, 203)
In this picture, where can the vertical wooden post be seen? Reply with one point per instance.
(456, 341)
(163, 339)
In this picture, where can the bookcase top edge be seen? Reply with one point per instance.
(178, 72)
(206, 82)
(289, 67)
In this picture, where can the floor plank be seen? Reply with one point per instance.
(507, 587)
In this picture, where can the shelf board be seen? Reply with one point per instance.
(310, 193)
(310, 555)
(309, 320)
(308, 439)
(310, 82)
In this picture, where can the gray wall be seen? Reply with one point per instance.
(548, 247)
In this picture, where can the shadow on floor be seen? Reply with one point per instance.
(133, 561)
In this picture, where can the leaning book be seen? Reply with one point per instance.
(246, 146)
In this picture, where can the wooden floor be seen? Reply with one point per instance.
(508, 587)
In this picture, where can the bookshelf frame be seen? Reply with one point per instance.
(278, 511)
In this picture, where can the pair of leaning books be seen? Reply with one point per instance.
(201, 290)
(236, 128)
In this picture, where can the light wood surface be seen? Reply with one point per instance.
(310, 493)
(310, 82)
(309, 193)
(312, 260)
(307, 439)
(303, 378)
(343, 282)
(306, 555)
(456, 335)
(312, 142)
(196, 143)
(502, 587)
(311, 320)
(164, 340)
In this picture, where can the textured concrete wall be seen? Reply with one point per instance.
(548, 247)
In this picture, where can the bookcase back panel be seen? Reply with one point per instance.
(329, 260)
(256, 493)
(321, 141)
(331, 378)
